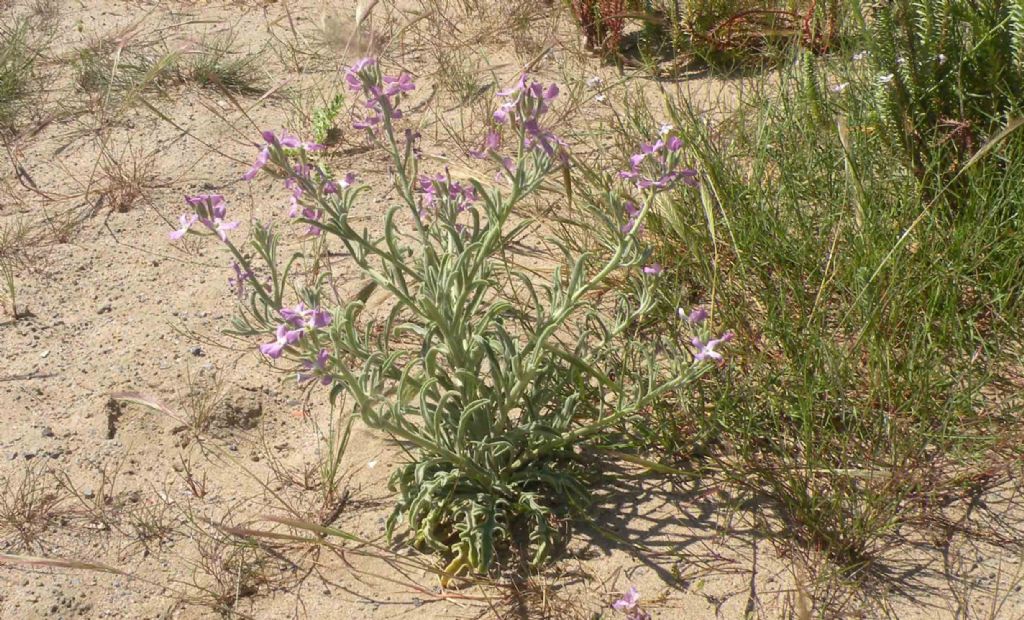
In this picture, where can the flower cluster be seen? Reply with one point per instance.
(305, 176)
(297, 321)
(632, 221)
(526, 102)
(383, 94)
(657, 167)
(440, 188)
(209, 210)
(316, 369)
(630, 604)
(237, 282)
(271, 140)
(492, 142)
(300, 178)
(704, 344)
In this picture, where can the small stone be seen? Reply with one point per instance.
(29, 456)
(105, 308)
(45, 354)
(47, 431)
(198, 351)
(89, 494)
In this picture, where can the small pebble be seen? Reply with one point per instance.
(47, 431)
(105, 308)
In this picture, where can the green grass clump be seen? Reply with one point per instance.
(17, 62)
(877, 319)
(119, 73)
(217, 64)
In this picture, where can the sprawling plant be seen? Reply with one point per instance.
(492, 379)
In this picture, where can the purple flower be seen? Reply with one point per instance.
(321, 318)
(653, 269)
(355, 83)
(261, 160)
(214, 202)
(631, 212)
(696, 316)
(285, 337)
(440, 186)
(537, 136)
(210, 211)
(628, 601)
(525, 103)
(237, 283)
(630, 604)
(706, 350)
(501, 114)
(333, 187)
(652, 149)
(301, 316)
(315, 368)
(221, 228)
(271, 139)
(663, 160)
(397, 85)
(315, 215)
(186, 220)
(288, 141)
(296, 316)
(492, 141)
(515, 88)
(367, 123)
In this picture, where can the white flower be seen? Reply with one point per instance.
(885, 79)
(665, 129)
(594, 81)
(600, 98)
(838, 88)
(860, 55)
(942, 59)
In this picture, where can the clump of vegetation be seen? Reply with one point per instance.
(945, 77)
(17, 64)
(494, 382)
(325, 127)
(217, 63)
(119, 72)
(873, 311)
(720, 33)
(20, 244)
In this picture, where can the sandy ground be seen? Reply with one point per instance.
(115, 307)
